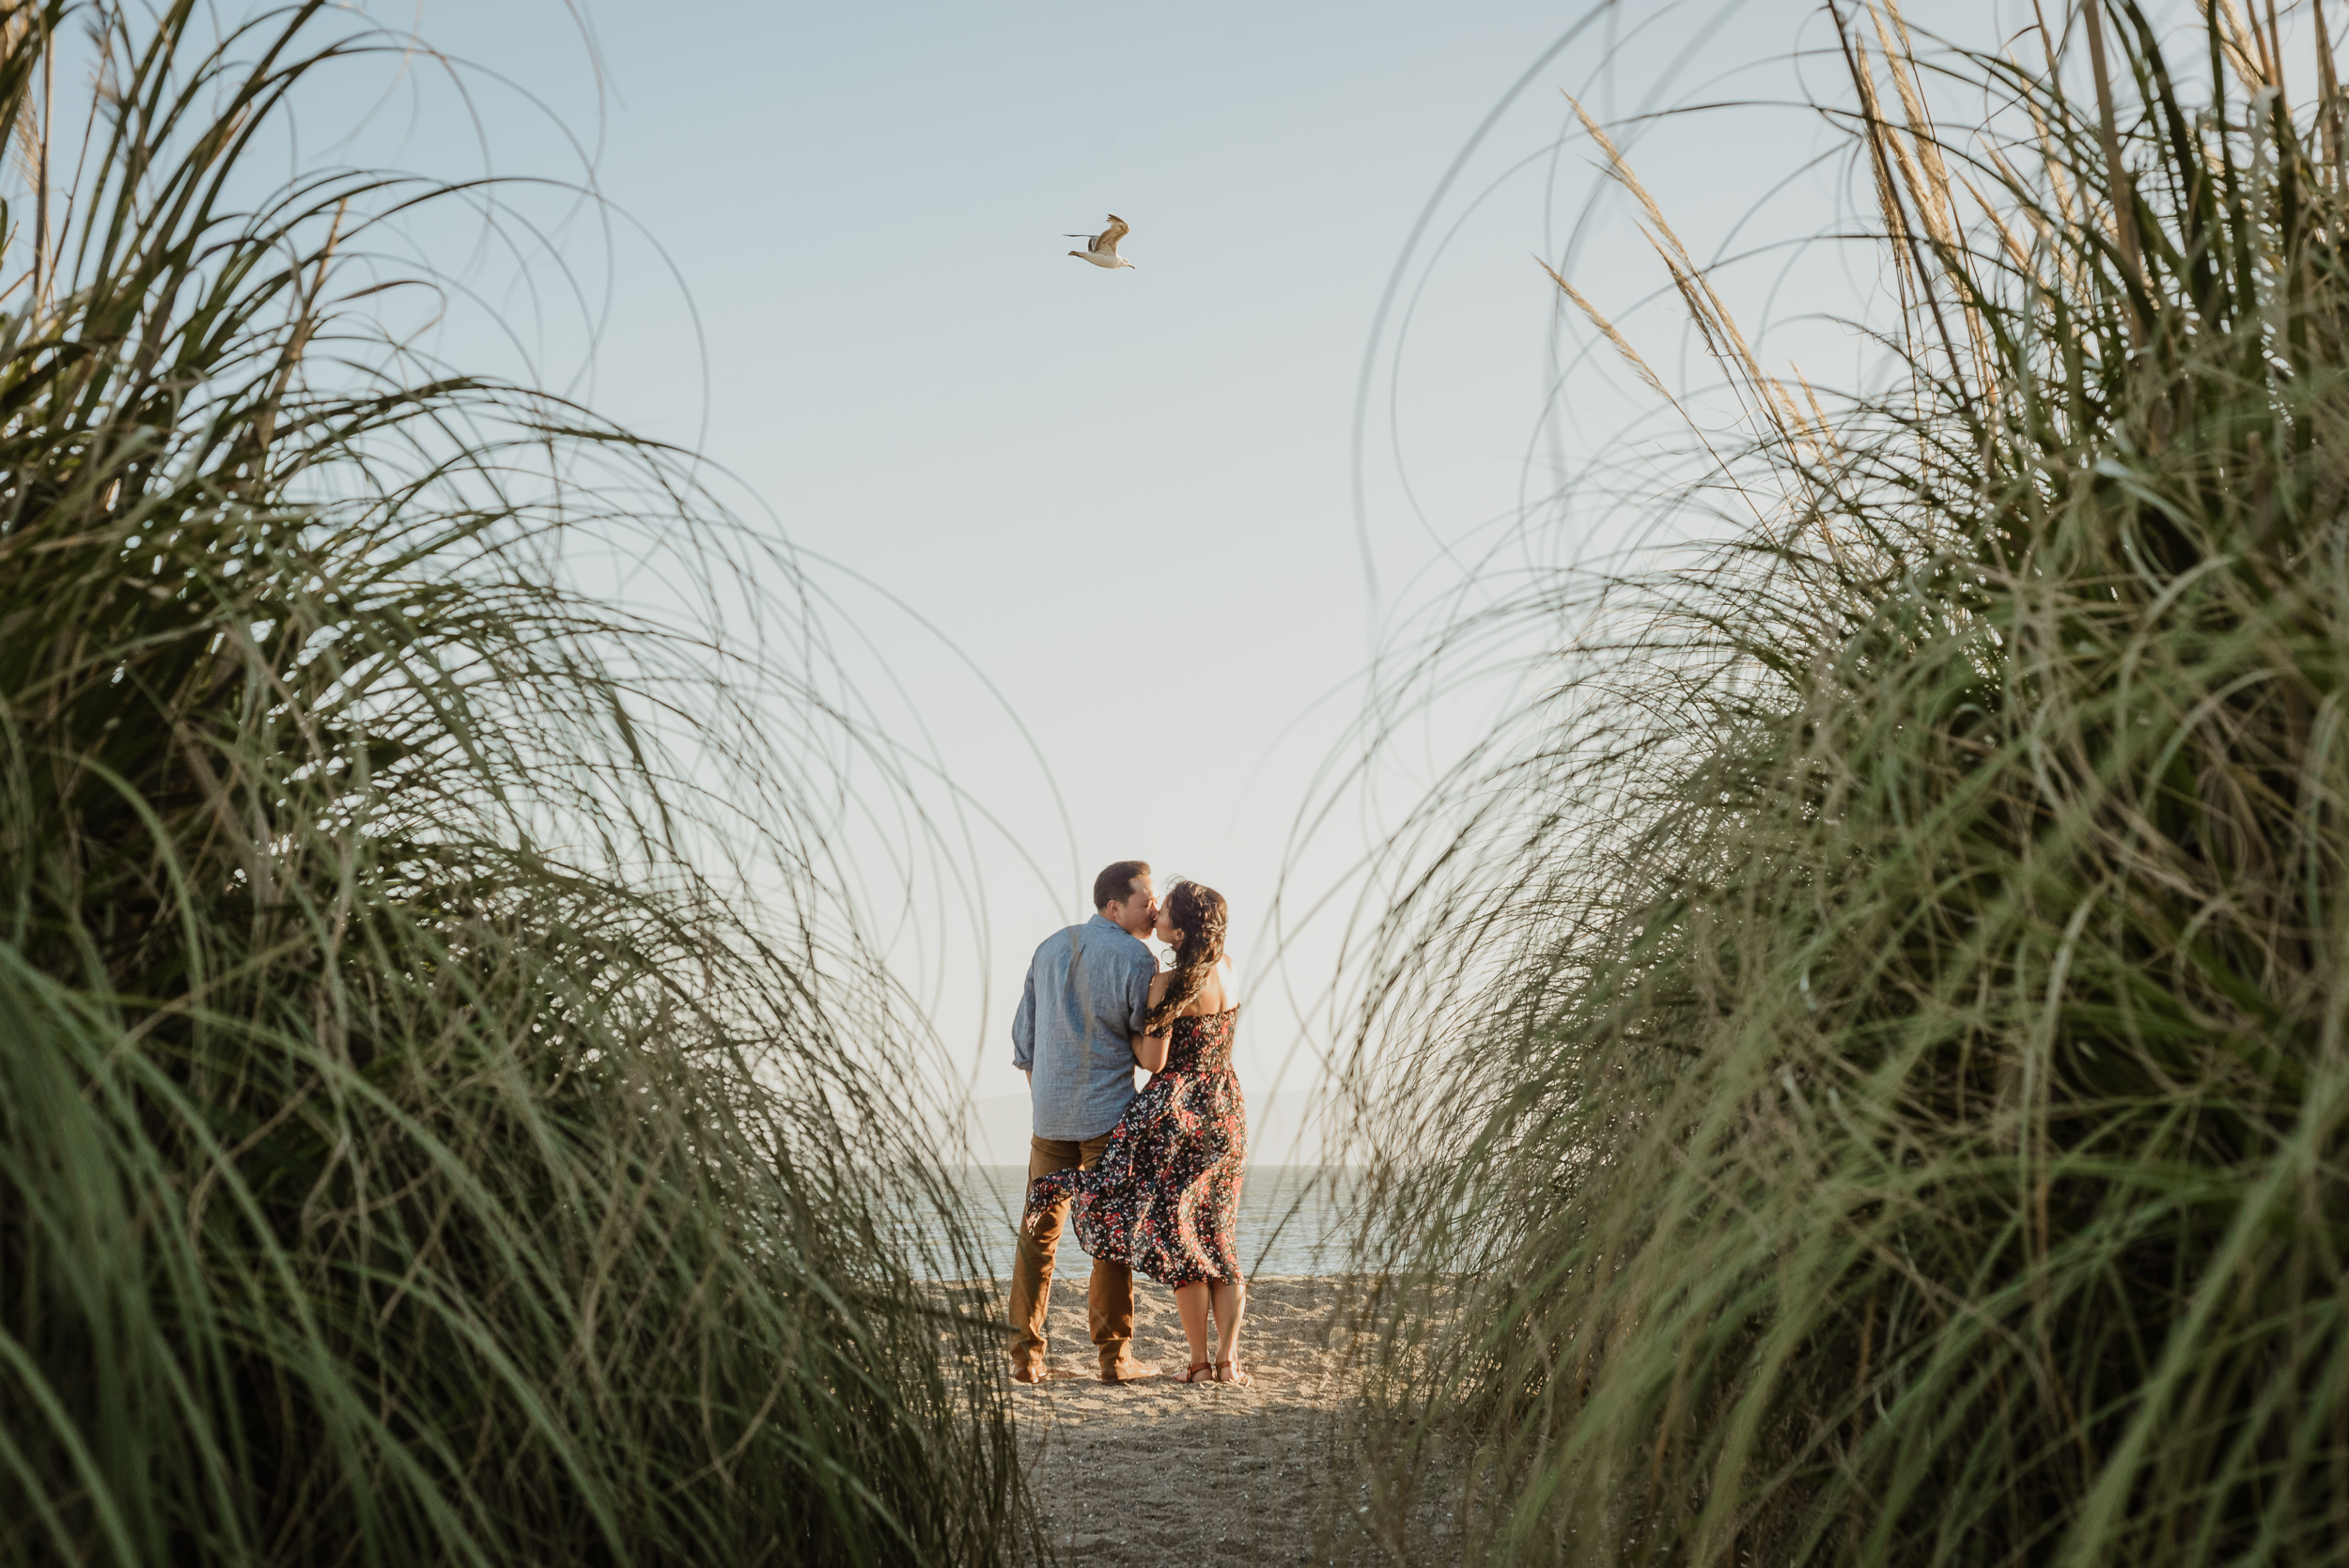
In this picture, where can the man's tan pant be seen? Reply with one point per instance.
(1109, 1301)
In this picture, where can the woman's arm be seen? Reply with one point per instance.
(1150, 1049)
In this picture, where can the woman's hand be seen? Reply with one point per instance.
(1150, 1051)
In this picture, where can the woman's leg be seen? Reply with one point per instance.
(1191, 1304)
(1230, 1298)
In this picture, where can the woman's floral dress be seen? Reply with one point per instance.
(1165, 1196)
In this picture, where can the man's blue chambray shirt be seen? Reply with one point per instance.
(1074, 1026)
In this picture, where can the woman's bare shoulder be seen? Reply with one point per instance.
(1157, 985)
(1227, 986)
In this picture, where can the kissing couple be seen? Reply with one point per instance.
(1151, 1179)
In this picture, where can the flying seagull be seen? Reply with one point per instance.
(1102, 248)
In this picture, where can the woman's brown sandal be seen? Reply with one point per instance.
(1238, 1378)
(1196, 1368)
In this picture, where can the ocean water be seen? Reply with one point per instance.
(1293, 1219)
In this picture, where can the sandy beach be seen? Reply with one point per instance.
(1162, 1472)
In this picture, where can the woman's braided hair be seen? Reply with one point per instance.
(1200, 914)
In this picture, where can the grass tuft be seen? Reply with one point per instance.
(1877, 1040)
(444, 1115)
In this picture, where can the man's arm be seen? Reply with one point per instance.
(1149, 1049)
(1138, 978)
(1023, 1028)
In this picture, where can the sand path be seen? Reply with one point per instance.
(1160, 1472)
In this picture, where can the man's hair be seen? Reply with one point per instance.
(1116, 883)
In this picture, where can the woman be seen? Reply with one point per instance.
(1164, 1195)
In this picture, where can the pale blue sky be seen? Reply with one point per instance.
(1128, 497)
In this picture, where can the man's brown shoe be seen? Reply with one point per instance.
(1127, 1369)
(1035, 1374)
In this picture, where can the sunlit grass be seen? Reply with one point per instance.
(444, 1116)
(1876, 1038)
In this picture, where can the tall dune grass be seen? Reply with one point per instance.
(444, 1115)
(1879, 1036)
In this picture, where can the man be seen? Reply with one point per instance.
(1088, 989)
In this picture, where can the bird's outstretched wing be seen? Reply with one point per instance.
(1109, 237)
